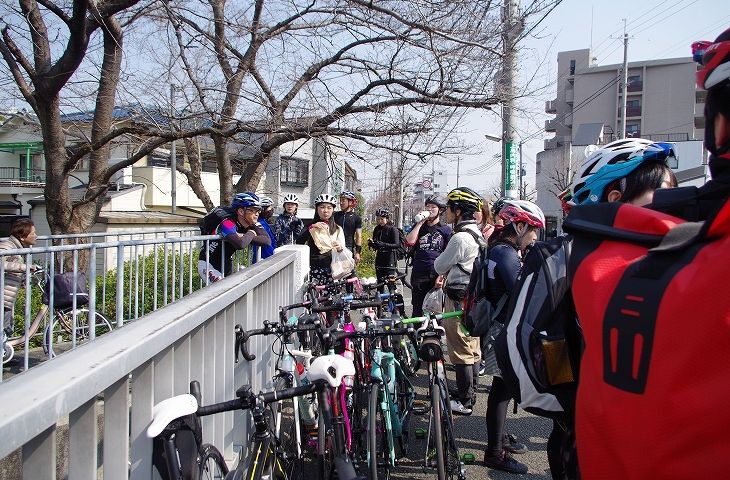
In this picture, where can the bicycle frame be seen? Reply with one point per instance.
(391, 415)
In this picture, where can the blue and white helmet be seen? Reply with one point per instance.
(246, 200)
(614, 162)
(266, 202)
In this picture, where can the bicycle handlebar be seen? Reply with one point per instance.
(388, 279)
(440, 316)
(244, 402)
(242, 335)
(227, 406)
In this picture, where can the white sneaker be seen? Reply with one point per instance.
(457, 407)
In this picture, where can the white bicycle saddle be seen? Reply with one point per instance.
(168, 410)
(331, 368)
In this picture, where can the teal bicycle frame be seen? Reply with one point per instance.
(392, 417)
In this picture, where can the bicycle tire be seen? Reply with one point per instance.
(436, 428)
(376, 431)
(57, 337)
(451, 452)
(325, 453)
(285, 429)
(8, 352)
(211, 466)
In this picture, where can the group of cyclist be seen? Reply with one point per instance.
(446, 240)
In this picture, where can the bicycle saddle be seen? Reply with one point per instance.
(170, 409)
(331, 368)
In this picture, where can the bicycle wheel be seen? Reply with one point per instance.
(8, 353)
(212, 466)
(448, 440)
(378, 448)
(286, 430)
(325, 452)
(436, 428)
(58, 336)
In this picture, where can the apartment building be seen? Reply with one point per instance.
(662, 104)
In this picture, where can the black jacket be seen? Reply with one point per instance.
(385, 242)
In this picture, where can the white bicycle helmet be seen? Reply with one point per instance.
(325, 198)
(291, 198)
(529, 207)
(611, 153)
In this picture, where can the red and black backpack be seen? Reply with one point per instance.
(652, 297)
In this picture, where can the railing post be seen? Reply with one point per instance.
(92, 292)
(120, 284)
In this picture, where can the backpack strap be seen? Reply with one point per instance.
(639, 294)
(480, 243)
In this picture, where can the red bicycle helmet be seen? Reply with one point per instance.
(515, 214)
(715, 60)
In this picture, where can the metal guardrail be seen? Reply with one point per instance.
(137, 366)
(33, 175)
(135, 278)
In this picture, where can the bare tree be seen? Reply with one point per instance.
(563, 171)
(302, 69)
(49, 74)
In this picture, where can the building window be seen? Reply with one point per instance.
(538, 167)
(633, 129)
(572, 67)
(295, 172)
(634, 83)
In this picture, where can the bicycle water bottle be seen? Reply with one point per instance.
(349, 353)
(287, 363)
(305, 408)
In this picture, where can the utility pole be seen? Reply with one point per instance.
(173, 153)
(458, 164)
(624, 81)
(521, 173)
(511, 30)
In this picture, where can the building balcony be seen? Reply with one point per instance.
(22, 175)
(569, 94)
(551, 106)
(551, 143)
(630, 112)
(551, 125)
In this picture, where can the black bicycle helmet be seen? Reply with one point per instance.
(435, 200)
(382, 212)
(465, 199)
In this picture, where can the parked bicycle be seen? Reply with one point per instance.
(441, 448)
(68, 328)
(178, 449)
(266, 460)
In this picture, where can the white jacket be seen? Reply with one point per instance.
(458, 257)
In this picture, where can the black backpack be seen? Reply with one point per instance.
(478, 312)
(403, 250)
(212, 219)
(538, 349)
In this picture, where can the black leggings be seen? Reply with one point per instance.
(420, 287)
(497, 404)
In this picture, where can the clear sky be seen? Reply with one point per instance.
(658, 29)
